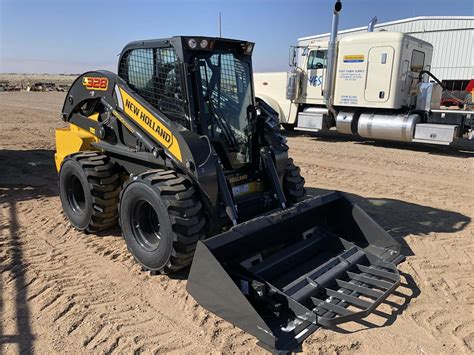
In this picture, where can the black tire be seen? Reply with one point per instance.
(288, 127)
(293, 183)
(89, 189)
(161, 219)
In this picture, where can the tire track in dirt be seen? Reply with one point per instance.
(76, 288)
(447, 291)
(86, 294)
(71, 277)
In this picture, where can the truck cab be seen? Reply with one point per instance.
(380, 88)
(313, 64)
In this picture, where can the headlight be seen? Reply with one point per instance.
(204, 43)
(192, 43)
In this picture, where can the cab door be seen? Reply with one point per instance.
(379, 74)
(313, 85)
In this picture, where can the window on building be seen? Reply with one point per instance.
(317, 59)
(455, 85)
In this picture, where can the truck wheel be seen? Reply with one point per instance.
(89, 189)
(293, 183)
(161, 219)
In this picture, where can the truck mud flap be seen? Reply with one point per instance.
(280, 277)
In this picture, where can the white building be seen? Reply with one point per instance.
(451, 36)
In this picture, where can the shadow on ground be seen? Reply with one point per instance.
(402, 218)
(12, 262)
(24, 175)
(27, 174)
(464, 150)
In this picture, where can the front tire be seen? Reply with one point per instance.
(89, 189)
(161, 219)
(293, 183)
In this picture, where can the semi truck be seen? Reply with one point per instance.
(375, 85)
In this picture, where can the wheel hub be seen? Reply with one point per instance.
(76, 195)
(146, 225)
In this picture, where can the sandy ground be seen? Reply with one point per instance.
(63, 291)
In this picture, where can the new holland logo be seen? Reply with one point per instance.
(150, 124)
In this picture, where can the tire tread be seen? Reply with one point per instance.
(185, 213)
(293, 183)
(104, 185)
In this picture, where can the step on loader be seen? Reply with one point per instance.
(176, 148)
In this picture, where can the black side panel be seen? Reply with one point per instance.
(223, 297)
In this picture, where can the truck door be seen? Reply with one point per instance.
(379, 74)
(315, 73)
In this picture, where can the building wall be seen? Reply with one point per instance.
(452, 39)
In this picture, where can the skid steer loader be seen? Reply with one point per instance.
(177, 149)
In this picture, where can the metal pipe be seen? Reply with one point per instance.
(462, 112)
(371, 24)
(329, 80)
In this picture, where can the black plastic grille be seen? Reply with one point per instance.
(155, 74)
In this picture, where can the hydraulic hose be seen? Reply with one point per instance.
(420, 77)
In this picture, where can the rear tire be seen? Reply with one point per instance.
(161, 219)
(293, 183)
(288, 127)
(89, 189)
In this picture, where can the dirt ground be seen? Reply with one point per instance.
(63, 291)
(18, 79)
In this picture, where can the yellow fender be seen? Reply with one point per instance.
(73, 139)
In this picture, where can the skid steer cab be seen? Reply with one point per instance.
(176, 149)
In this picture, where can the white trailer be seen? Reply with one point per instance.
(376, 85)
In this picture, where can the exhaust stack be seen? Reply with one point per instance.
(329, 80)
(371, 24)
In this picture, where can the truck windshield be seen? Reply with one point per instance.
(226, 90)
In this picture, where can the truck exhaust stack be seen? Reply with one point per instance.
(329, 80)
(282, 276)
(371, 24)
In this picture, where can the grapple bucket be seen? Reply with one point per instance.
(281, 276)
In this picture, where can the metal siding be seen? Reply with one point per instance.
(452, 40)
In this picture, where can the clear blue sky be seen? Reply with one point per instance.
(72, 36)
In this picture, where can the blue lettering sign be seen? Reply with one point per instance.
(315, 80)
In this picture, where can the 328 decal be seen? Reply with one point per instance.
(95, 83)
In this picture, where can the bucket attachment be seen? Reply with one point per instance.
(279, 277)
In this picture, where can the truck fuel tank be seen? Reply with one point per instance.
(389, 127)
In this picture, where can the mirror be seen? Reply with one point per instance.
(292, 56)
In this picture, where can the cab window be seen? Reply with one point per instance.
(417, 61)
(154, 73)
(138, 69)
(317, 59)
